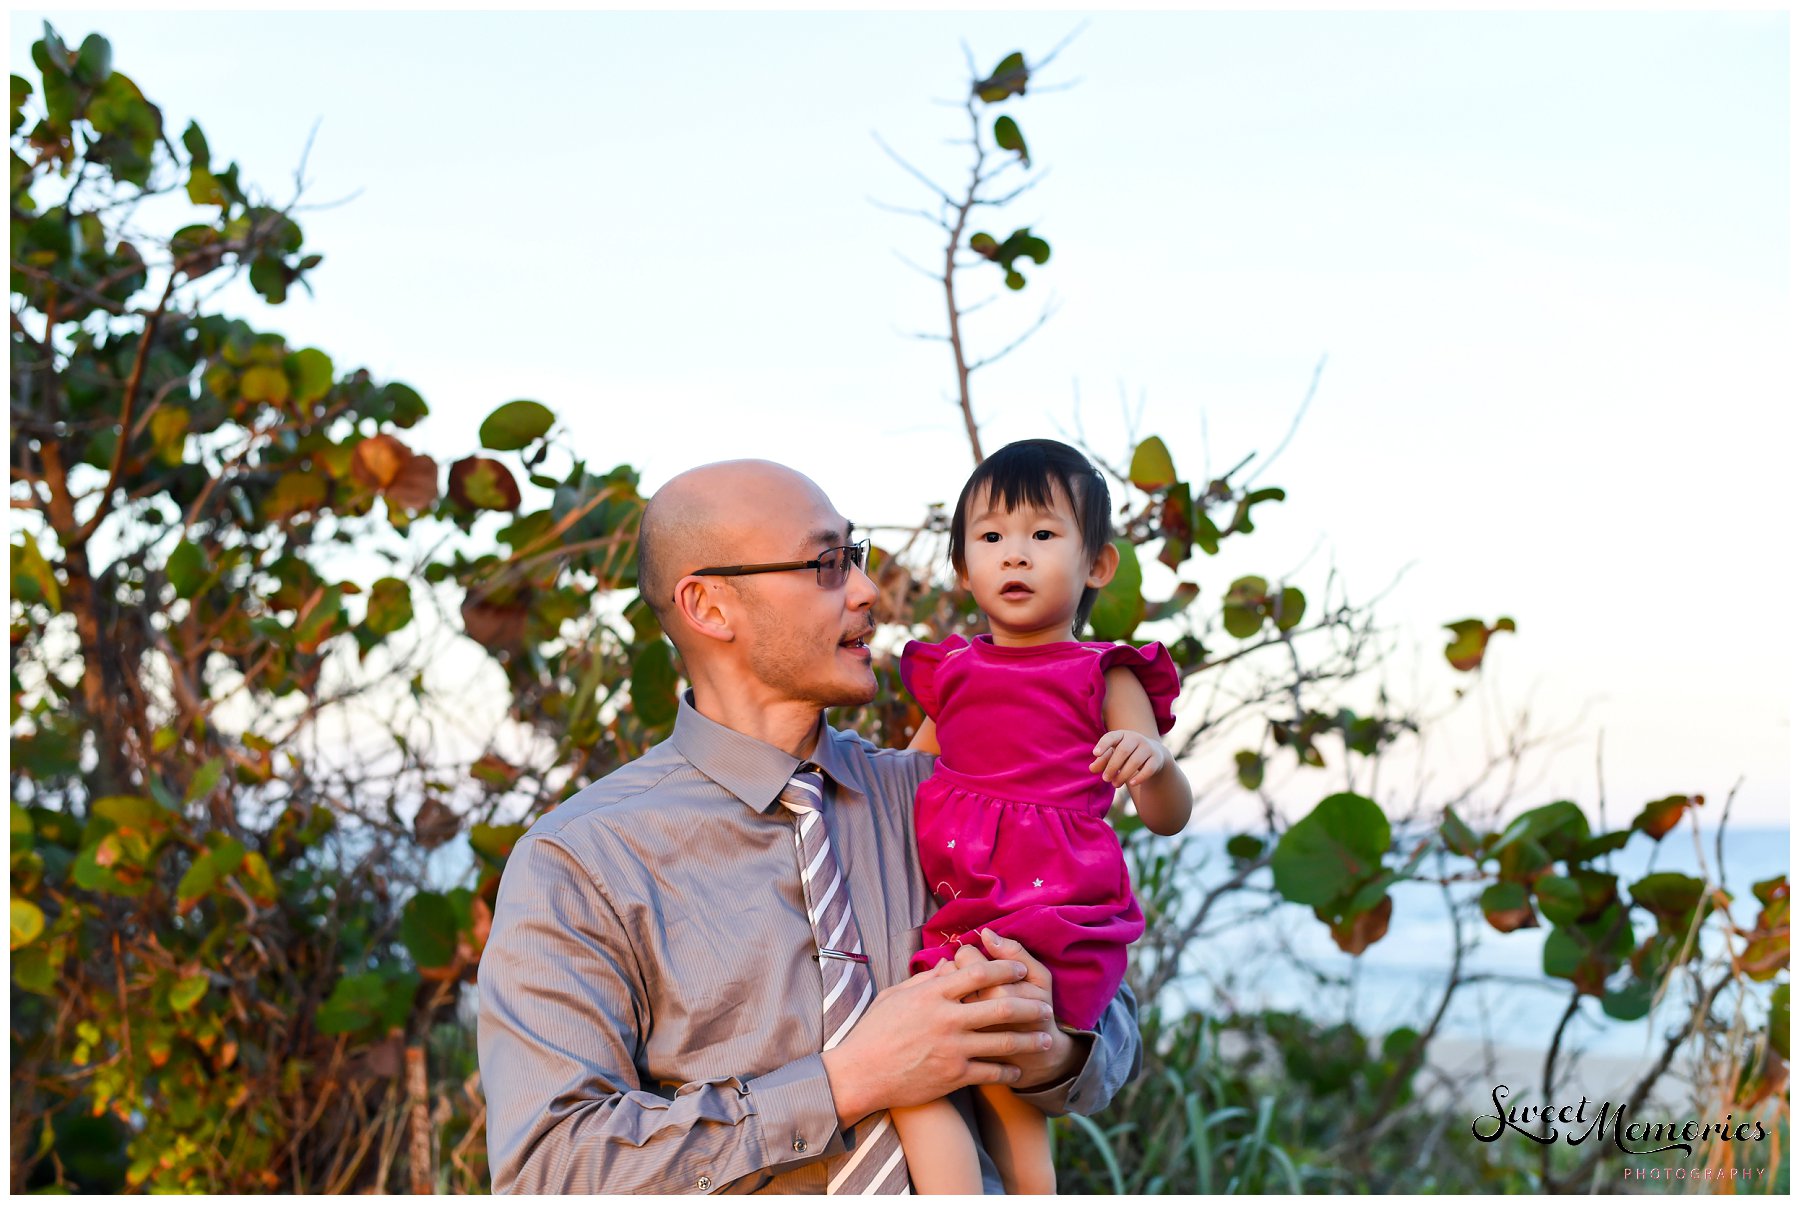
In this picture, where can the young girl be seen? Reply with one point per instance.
(1035, 731)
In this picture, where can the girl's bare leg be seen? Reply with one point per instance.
(940, 1151)
(1017, 1137)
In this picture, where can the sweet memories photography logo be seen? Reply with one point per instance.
(1608, 1122)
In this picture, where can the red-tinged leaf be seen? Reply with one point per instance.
(1357, 933)
(1507, 907)
(496, 625)
(479, 483)
(435, 823)
(1468, 645)
(415, 487)
(1661, 815)
(378, 460)
(495, 771)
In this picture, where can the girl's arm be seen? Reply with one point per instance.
(925, 739)
(1130, 755)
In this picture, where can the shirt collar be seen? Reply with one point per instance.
(754, 770)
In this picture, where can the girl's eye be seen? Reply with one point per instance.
(1043, 535)
(989, 537)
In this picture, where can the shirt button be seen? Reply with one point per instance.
(703, 1183)
(800, 1146)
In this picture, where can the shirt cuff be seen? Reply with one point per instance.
(795, 1113)
(1077, 1092)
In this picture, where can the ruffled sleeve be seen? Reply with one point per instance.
(919, 665)
(1155, 669)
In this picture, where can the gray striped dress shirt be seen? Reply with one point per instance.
(650, 1008)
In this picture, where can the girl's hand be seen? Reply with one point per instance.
(1127, 758)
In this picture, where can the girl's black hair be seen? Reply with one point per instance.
(1027, 473)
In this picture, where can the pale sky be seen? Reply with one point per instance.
(1546, 255)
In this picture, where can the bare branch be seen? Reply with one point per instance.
(1294, 426)
(1017, 192)
(1058, 48)
(927, 273)
(1033, 329)
(933, 218)
(913, 171)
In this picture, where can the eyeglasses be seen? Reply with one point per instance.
(833, 565)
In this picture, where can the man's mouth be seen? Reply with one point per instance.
(858, 642)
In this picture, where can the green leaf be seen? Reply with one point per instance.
(269, 277)
(27, 922)
(195, 142)
(1671, 898)
(21, 828)
(653, 683)
(1290, 606)
(390, 606)
(1327, 855)
(1560, 898)
(515, 425)
(29, 563)
(1008, 79)
(264, 383)
(310, 371)
(34, 970)
(1152, 468)
(187, 992)
(1560, 828)
(1244, 848)
(198, 882)
(205, 779)
(1778, 1020)
(428, 929)
(186, 569)
(296, 494)
(1249, 769)
(356, 1001)
(258, 882)
(1119, 607)
(93, 64)
(495, 841)
(1629, 1003)
(133, 812)
(1246, 604)
(1008, 138)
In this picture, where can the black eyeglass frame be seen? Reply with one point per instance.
(857, 556)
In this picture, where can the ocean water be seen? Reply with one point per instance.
(1284, 957)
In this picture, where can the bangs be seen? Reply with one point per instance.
(1033, 474)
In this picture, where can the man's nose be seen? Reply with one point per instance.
(860, 591)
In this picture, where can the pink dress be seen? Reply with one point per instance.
(1012, 823)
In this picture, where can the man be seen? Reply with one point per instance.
(651, 991)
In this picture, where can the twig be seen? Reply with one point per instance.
(1049, 311)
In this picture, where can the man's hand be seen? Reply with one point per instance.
(923, 1038)
(1047, 1063)
(1127, 758)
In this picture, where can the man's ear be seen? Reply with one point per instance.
(1105, 565)
(697, 609)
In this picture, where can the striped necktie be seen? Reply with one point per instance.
(875, 1163)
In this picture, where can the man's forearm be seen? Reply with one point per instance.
(710, 1134)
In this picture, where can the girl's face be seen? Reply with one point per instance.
(1027, 570)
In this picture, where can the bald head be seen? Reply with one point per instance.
(728, 513)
